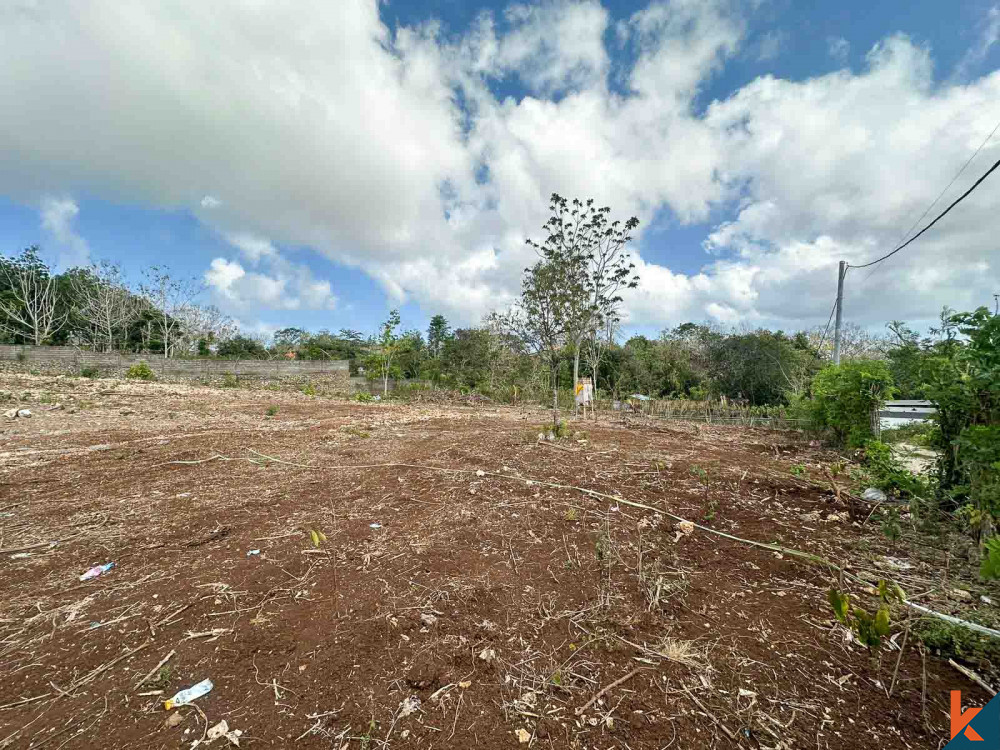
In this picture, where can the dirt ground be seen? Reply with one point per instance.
(445, 608)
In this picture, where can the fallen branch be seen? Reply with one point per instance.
(23, 701)
(608, 689)
(972, 676)
(710, 715)
(149, 676)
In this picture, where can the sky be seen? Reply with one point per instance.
(318, 163)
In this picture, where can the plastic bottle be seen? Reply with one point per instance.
(187, 695)
(96, 571)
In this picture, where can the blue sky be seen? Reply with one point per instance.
(318, 168)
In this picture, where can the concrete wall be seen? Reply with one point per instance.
(68, 360)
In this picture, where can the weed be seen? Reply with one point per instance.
(364, 397)
(162, 678)
(46, 398)
(309, 389)
(890, 525)
(954, 641)
(272, 411)
(140, 371)
(355, 431)
(798, 470)
(229, 380)
(572, 514)
(90, 372)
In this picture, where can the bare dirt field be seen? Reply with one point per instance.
(446, 608)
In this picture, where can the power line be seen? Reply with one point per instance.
(946, 189)
(828, 320)
(940, 216)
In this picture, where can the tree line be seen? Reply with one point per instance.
(97, 308)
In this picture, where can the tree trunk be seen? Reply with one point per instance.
(385, 383)
(555, 398)
(576, 375)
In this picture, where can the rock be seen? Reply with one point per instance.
(810, 517)
(12, 414)
(487, 655)
(427, 618)
(480, 473)
(523, 736)
(686, 527)
(174, 719)
(874, 494)
(962, 594)
(409, 706)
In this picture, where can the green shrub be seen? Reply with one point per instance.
(364, 397)
(271, 411)
(90, 372)
(140, 371)
(847, 397)
(309, 389)
(229, 380)
(886, 473)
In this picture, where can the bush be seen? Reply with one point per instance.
(364, 397)
(271, 411)
(847, 398)
(90, 372)
(140, 371)
(888, 474)
(309, 389)
(229, 380)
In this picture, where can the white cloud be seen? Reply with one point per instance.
(838, 48)
(383, 168)
(282, 285)
(989, 34)
(770, 44)
(57, 215)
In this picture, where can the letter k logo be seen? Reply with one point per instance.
(959, 720)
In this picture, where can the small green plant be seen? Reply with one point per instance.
(890, 525)
(140, 371)
(272, 411)
(798, 470)
(89, 372)
(309, 389)
(355, 431)
(162, 678)
(572, 514)
(989, 568)
(229, 380)
(364, 397)
(870, 629)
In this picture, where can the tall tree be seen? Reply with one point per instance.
(29, 304)
(437, 333)
(385, 348)
(546, 314)
(172, 297)
(581, 234)
(103, 301)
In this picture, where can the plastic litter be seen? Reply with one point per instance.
(190, 694)
(874, 494)
(374, 526)
(252, 552)
(97, 570)
(24, 413)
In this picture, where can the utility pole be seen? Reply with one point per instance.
(840, 310)
(996, 304)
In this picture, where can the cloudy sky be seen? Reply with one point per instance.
(317, 163)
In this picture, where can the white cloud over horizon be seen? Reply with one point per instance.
(206, 108)
(57, 217)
